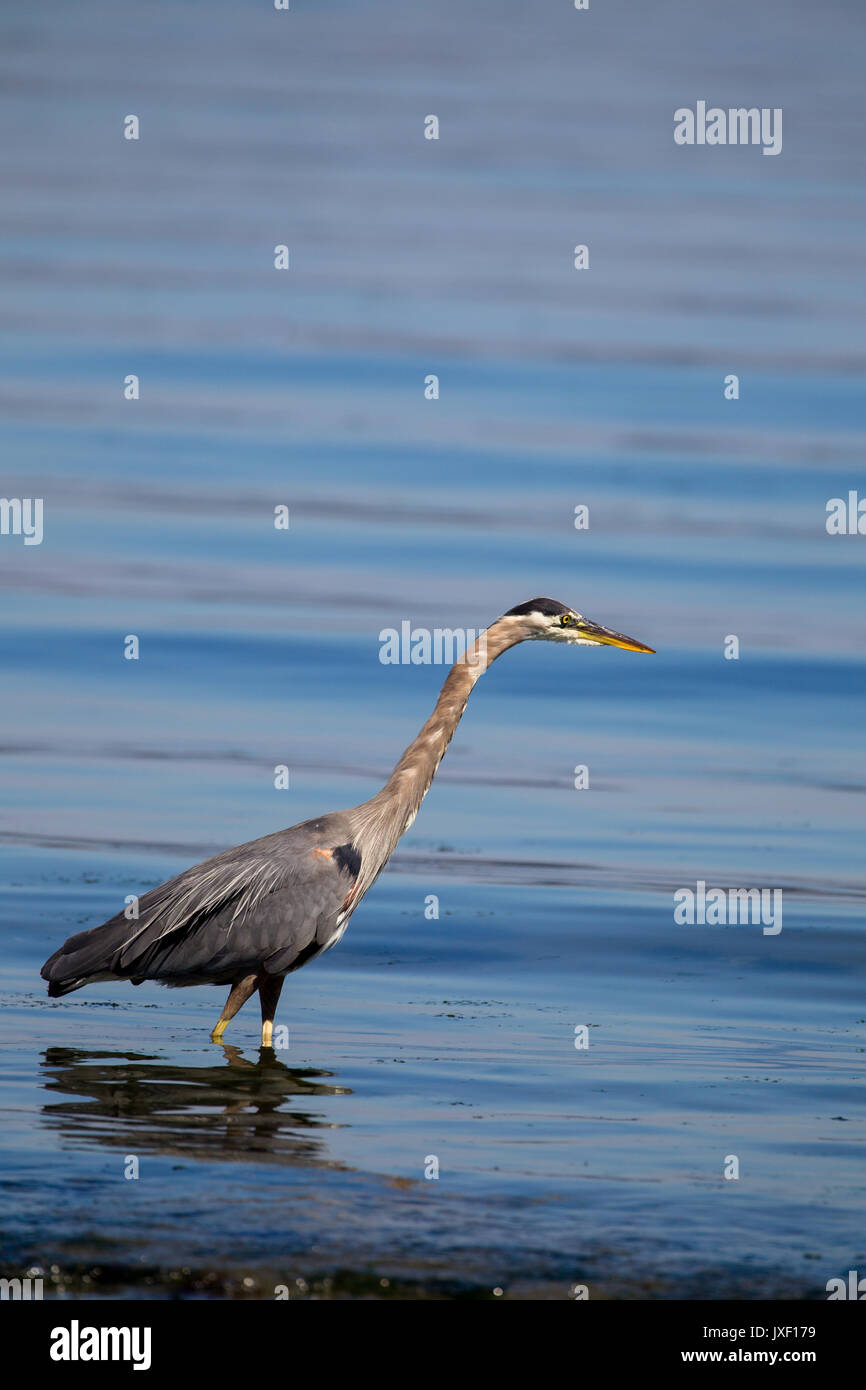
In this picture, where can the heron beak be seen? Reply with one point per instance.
(606, 637)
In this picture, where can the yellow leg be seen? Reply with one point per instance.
(269, 994)
(238, 996)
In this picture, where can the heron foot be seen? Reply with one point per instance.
(269, 994)
(238, 996)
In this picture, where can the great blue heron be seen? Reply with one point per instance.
(251, 915)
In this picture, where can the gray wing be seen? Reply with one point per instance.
(270, 904)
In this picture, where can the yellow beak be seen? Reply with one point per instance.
(606, 637)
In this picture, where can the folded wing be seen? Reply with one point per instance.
(270, 905)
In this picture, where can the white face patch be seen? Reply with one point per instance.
(547, 627)
(552, 629)
(541, 627)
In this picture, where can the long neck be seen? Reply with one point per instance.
(382, 820)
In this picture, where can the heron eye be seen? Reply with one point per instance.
(566, 619)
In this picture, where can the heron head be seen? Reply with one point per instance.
(546, 620)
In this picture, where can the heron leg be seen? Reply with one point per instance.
(238, 996)
(269, 995)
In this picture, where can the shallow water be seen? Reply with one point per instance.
(454, 1037)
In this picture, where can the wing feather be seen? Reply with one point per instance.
(267, 901)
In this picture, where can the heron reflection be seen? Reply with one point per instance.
(236, 1109)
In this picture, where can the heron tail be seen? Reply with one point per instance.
(85, 958)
